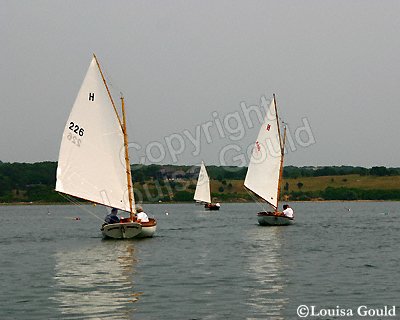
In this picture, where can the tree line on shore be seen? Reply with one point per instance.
(35, 182)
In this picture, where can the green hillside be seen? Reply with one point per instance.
(25, 182)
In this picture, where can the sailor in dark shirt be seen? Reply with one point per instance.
(112, 217)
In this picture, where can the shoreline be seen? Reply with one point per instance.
(181, 202)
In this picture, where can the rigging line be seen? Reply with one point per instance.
(80, 205)
(256, 200)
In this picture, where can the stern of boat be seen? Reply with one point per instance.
(126, 230)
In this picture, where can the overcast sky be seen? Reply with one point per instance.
(189, 70)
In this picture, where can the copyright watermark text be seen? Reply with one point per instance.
(305, 311)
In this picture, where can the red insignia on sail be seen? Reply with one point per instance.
(268, 127)
(258, 146)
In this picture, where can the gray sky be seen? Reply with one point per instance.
(185, 66)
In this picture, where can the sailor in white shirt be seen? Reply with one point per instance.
(288, 211)
(141, 216)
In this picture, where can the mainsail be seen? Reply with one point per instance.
(202, 192)
(91, 162)
(263, 173)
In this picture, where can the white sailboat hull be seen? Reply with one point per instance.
(128, 230)
(270, 219)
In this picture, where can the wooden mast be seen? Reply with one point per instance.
(108, 90)
(282, 145)
(123, 126)
(277, 122)
(127, 162)
(281, 169)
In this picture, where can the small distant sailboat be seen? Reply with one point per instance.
(202, 193)
(94, 160)
(264, 173)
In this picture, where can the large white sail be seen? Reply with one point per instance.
(91, 162)
(263, 172)
(202, 192)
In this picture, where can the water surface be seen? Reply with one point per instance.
(200, 265)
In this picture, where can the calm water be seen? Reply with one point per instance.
(200, 265)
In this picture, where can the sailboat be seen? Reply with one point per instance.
(94, 162)
(202, 193)
(264, 174)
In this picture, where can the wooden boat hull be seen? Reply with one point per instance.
(147, 232)
(270, 219)
(129, 230)
(211, 206)
(148, 228)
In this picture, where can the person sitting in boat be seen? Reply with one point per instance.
(288, 211)
(141, 216)
(112, 216)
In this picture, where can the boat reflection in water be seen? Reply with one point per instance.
(266, 297)
(96, 281)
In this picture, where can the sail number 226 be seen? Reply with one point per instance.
(75, 128)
